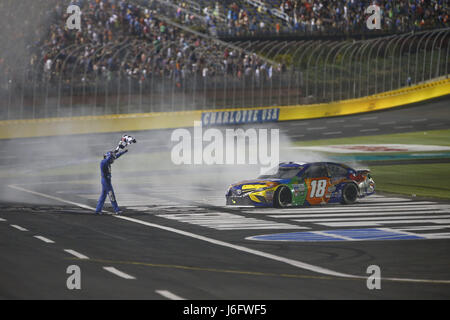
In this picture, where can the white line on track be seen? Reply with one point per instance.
(352, 125)
(76, 254)
(419, 120)
(119, 273)
(32, 142)
(421, 228)
(44, 239)
(381, 222)
(388, 123)
(227, 221)
(295, 124)
(295, 263)
(372, 199)
(403, 127)
(392, 203)
(169, 295)
(333, 235)
(1, 219)
(354, 207)
(365, 208)
(375, 218)
(51, 197)
(148, 140)
(368, 118)
(18, 227)
(369, 130)
(359, 215)
(336, 121)
(316, 128)
(359, 211)
(332, 133)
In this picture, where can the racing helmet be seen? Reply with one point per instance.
(111, 154)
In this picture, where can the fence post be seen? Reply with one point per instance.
(308, 64)
(62, 71)
(345, 45)
(446, 62)
(364, 46)
(400, 61)
(225, 78)
(384, 61)
(72, 82)
(122, 71)
(316, 72)
(439, 56)
(432, 53)
(376, 65)
(120, 47)
(22, 89)
(342, 68)
(325, 67)
(49, 77)
(300, 75)
(408, 75)
(417, 59)
(292, 67)
(369, 65)
(425, 54)
(280, 95)
(352, 85)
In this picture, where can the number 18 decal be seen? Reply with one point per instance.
(318, 188)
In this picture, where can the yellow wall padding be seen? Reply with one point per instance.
(10, 129)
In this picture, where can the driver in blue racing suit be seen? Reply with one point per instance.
(107, 189)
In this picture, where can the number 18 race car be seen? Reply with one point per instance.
(303, 184)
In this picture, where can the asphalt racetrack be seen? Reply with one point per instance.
(177, 240)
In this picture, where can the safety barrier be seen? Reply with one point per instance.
(376, 102)
(10, 129)
(283, 73)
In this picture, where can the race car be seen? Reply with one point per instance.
(303, 184)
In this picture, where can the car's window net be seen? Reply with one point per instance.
(316, 171)
(281, 173)
(337, 171)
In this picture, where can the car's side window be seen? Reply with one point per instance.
(337, 171)
(316, 171)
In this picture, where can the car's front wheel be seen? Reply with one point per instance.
(349, 193)
(282, 197)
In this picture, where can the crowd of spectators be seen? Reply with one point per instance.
(396, 15)
(325, 16)
(119, 38)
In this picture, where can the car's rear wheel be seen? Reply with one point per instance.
(349, 193)
(282, 197)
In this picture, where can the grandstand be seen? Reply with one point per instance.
(314, 17)
(161, 55)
